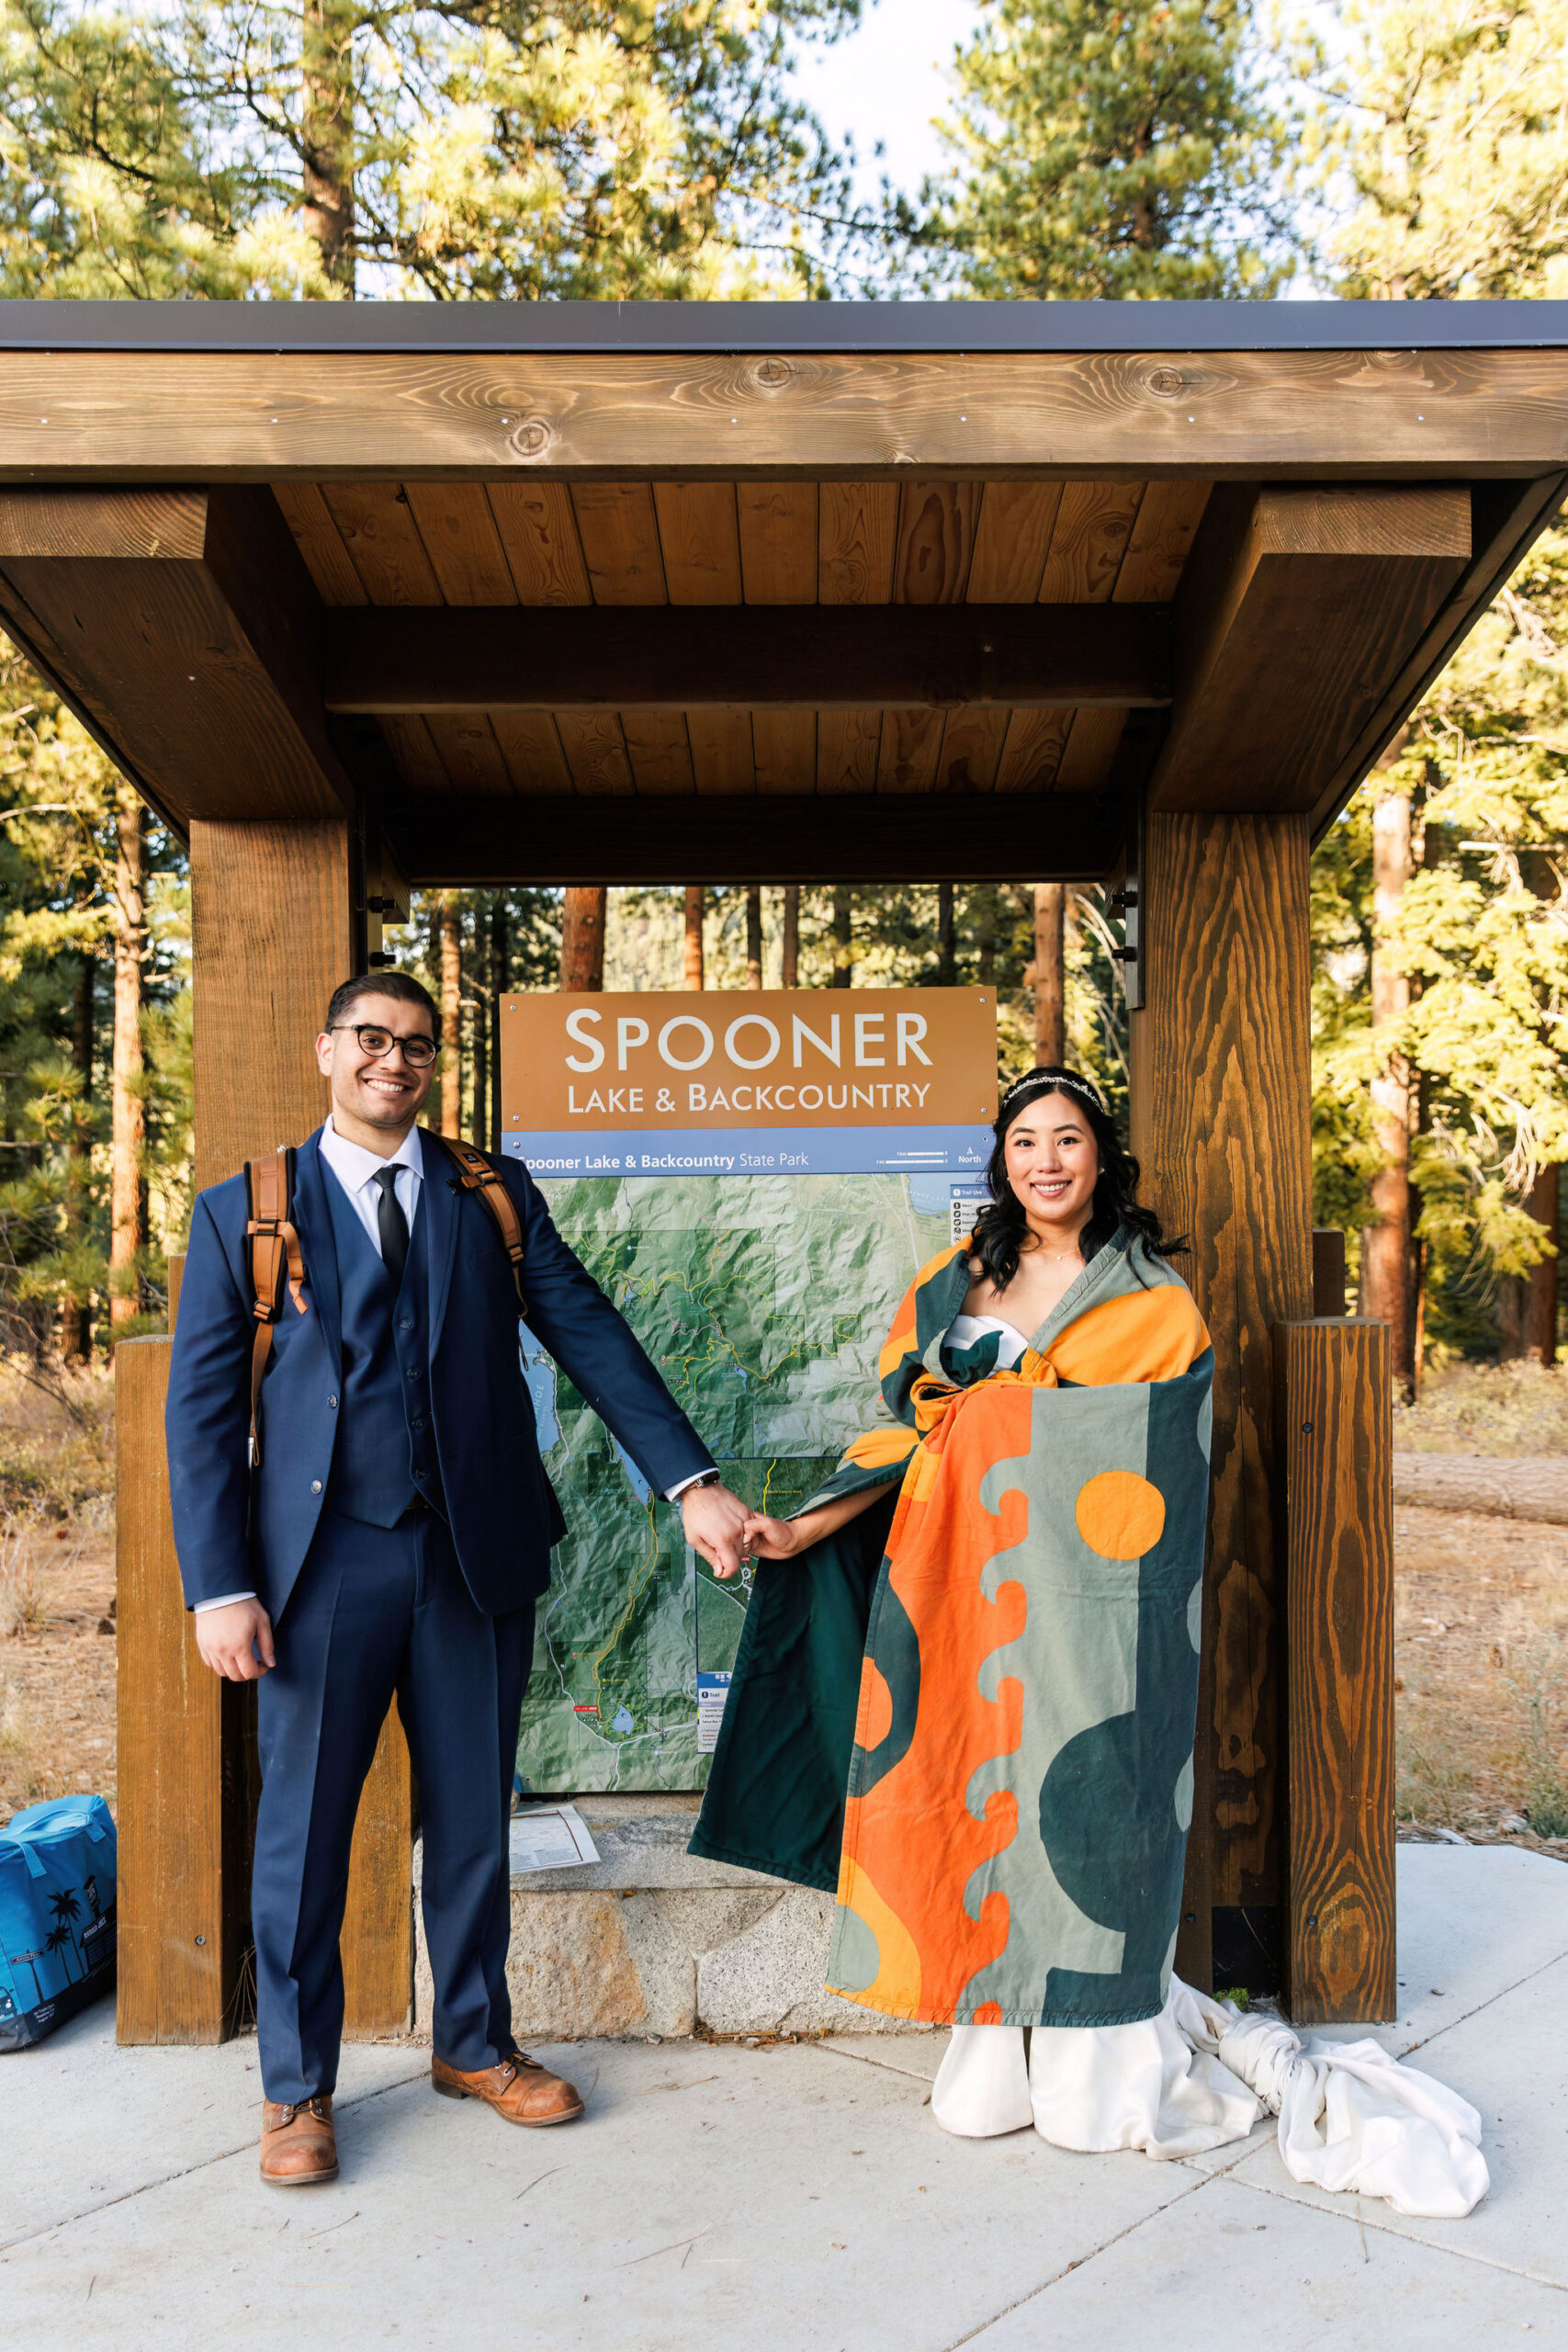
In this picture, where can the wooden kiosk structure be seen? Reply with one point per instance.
(367, 596)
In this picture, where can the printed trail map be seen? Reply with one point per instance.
(763, 1300)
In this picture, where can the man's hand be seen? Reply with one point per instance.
(236, 1641)
(714, 1520)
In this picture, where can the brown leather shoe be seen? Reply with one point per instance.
(298, 2146)
(519, 2088)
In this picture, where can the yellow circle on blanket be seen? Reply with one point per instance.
(1120, 1515)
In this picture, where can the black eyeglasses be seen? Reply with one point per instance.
(418, 1052)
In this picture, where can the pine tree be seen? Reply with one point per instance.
(692, 971)
(1446, 140)
(114, 184)
(1117, 148)
(66, 924)
(582, 937)
(488, 151)
(789, 943)
(1049, 970)
(129, 1118)
(1449, 123)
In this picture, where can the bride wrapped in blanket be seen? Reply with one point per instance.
(965, 1697)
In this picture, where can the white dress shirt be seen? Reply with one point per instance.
(355, 1169)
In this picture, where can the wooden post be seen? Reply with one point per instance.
(1220, 1123)
(378, 1927)
(183, 1876)
(1334, 1446)
(273, 933)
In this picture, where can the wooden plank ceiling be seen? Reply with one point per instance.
(925, 541)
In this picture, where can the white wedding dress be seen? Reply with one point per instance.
(1202, 2072)
(1201, 2075)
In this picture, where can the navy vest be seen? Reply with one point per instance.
(385, 1455)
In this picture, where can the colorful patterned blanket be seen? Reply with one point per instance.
(971, 1712)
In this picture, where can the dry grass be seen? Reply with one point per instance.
(1503, 1409)
(57, 1662)
(1481, 1646)
(56, 1453)
(25, 1578)
(16, 1735)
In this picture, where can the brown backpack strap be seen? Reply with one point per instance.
(476, 1175)
(275, 1258)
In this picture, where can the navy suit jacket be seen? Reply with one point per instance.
(235, 1530)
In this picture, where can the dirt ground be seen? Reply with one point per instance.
(1481, 1637)
(1481, 1648)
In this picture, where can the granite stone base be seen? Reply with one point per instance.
(653, 1941)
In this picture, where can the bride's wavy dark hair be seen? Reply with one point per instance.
(1001, 1227)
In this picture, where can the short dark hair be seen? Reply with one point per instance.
(401, 986)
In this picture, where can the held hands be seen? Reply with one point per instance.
(236, 1641)
(772, 1539)
(714, 1520)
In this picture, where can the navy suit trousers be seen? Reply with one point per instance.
(378, 1609)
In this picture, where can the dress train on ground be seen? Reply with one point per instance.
(1198, 2076)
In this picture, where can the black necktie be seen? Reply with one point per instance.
(391, 1225)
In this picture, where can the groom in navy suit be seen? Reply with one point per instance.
(394, 1537)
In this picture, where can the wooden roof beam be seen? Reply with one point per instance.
(1504, 518)
(1324, 414)
(890, 657)
(454, 843)
(1296, 607)
(185, 630)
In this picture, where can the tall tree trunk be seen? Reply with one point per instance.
(79, 1320)
(696, 901)
(451, 1016)
(582, 938)
(843, 936)
(985, 934)
(1541, 1297)
(754, 936)
(946, 956)
(790, 976)
(128, 1123)
(500, 981)
(327, 135)
(1385, 1247)
(479, 998)
(1050, 1027)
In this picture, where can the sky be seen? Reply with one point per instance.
(886, 82)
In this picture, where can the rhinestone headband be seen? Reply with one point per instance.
(1064, 1084)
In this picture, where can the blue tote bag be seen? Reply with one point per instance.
(57, 1908)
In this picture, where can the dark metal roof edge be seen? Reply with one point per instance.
(526, 329)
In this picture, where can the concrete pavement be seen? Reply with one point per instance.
(718, 2198)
